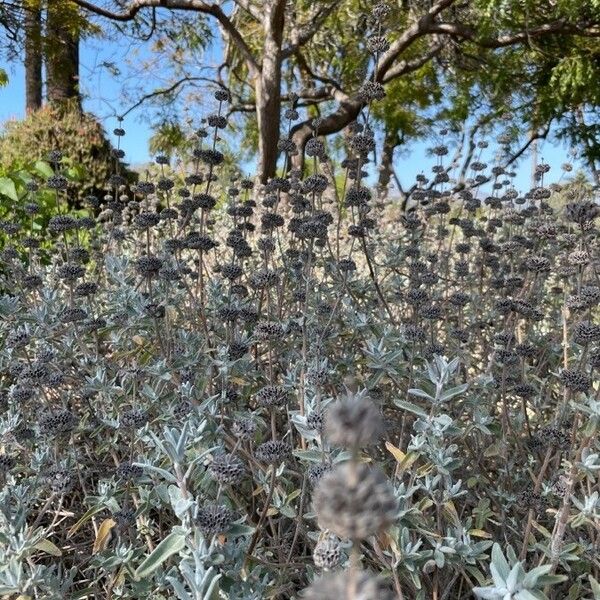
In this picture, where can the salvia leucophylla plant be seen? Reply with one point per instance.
(211, 390)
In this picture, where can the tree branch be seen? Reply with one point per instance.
(409, 66)
(422, 26)
(309, 31)
(387, 68)
(200, 6)
(127, 15)
(540, 134)
(350, 107)
(167, 90)
(328, 81)
(556, 27)
(247, 6)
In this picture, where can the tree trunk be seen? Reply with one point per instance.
(62, 55)
(534, 162)
(268, 106)
(268, 90)
(33, 57)
(392, 139)
(587, 142)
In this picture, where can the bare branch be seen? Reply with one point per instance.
(149, 35)
(328, 81)
(556, 27)
(306, 33)
(189, 5)
(537, 135)
(126, 15)
(240, 108)
(307, 97)
(470, 151)
(167, 90)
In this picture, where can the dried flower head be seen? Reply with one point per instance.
(357, 585)
(134, 418)
(272, 452)
(272, 395)
(228, 469)
(354, 501)
(354, 422)
(327, 553)
(244, 429)
(214, 518)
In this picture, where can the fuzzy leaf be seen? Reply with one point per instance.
(529, 595)
(455, 391)
(421, 393)
(48, 547)
(413, 408)
(532, 576)
(488, 593)
(500, 562)
(88, 515)
(172, 544)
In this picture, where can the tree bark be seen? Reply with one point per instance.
(268, 90)
(592, 163)
(33, 57)
(62, 55)
(391, 140)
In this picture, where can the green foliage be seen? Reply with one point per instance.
(406, 100)
(582, 130)
(14, 193)
(575, 79)
(167, 138)
(184, 35)
(24, 185)
(78, 135)
(72, 18)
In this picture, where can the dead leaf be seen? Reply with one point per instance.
(103, 536)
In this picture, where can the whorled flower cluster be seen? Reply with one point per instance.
(354, 501)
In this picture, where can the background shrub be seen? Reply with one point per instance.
(79, 135)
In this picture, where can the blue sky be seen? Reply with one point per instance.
(12, 106)
(105, 97)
